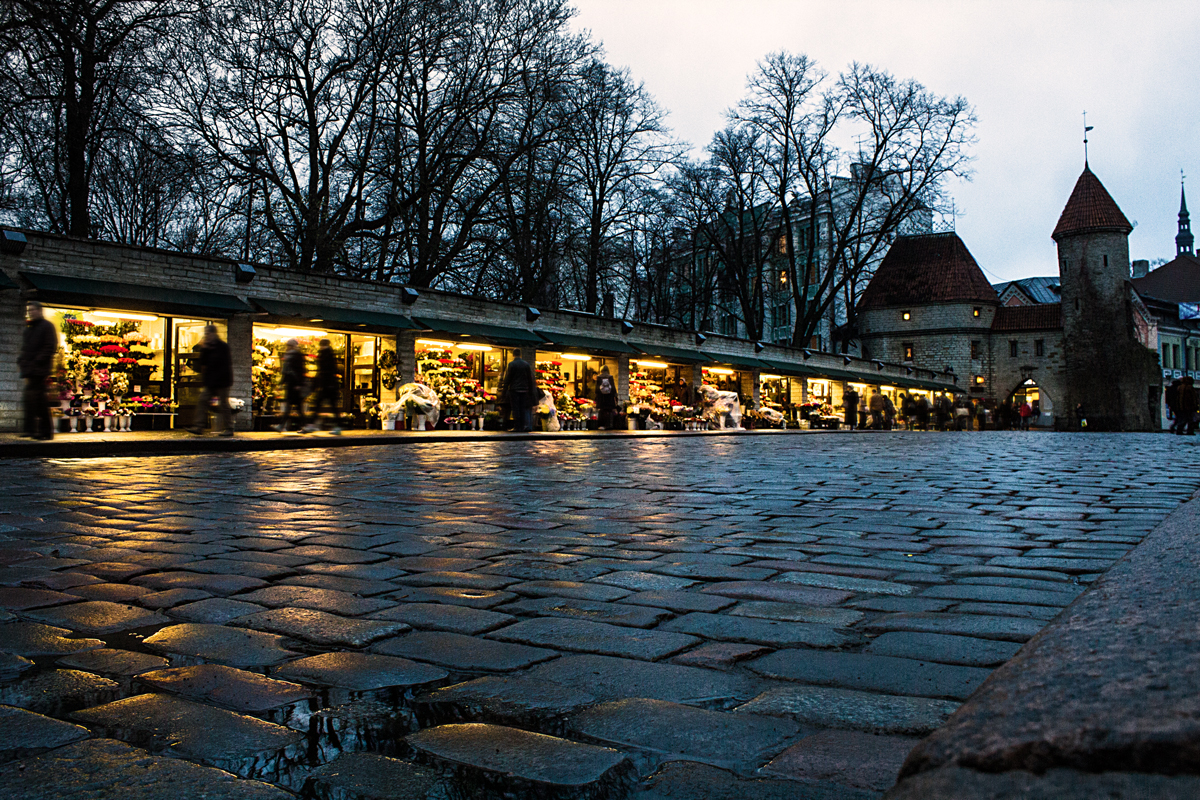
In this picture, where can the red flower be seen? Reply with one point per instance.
(126, 360)
(91, 353)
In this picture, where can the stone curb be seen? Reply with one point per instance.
(68, 446)
(1111, 686)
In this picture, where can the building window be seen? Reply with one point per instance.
(907, 315)
(979, 380)
(1039, 347)
(729, 325)
(1106, 261)
(1012, 348)
(975, 350)
(976, 311)
(908, 351)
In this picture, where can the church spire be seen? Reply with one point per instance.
(1183, 239)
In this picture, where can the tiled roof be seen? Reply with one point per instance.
(928, 268)
(1090, 209)
(1040, 317)
(1177, 281)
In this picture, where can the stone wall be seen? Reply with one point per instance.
(1048, 370)
(941, 335)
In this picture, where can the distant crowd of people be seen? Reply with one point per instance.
(917, 412)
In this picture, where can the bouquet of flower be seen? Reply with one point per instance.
(119, 383)
(236, 404)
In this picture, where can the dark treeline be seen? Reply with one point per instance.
(479, 146)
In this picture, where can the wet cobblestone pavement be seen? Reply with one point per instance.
(725, 617)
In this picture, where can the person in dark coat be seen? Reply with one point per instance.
(39, 344)
(215, 364)
(521, 390)
(606, 398)
(293, 376)
(850, 404)
(328, 387)
(1171, 396)
(1187, 403)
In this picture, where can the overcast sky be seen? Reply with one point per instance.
(1029, 68)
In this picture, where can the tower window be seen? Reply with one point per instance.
(979, 380)
(1012, 348)
(908, 351)
(1039, 347)
(975, 350)
(907, 315)
(1106, 261)
(975, 312)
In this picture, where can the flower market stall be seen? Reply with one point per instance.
(465, 376)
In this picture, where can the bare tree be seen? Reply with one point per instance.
(469, 101)
(620, 144)
(71, 77)
(841, 207)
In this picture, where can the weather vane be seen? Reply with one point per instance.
(1086, 128)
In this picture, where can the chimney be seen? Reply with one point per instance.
(1140, 267)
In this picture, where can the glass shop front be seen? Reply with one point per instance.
(362, 365)
(125, 370)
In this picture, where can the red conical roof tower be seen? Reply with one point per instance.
(1090, 209)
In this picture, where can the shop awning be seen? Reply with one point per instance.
(497, 334)
(744, 362)
(329, 316)
(133, 297)
(786, 368)
(675, 354)
(7, 283)
(588, 344)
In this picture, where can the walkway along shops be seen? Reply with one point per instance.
(129, 318)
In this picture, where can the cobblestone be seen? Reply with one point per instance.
(826, 584)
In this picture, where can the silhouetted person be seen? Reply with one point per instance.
(38, 346)
(521, 390)
(1186, 401)
(606, 398)
(215, 364)
(850, 404)
(328, 386)
(293, 375)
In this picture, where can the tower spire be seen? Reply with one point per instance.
(1086, 128)
(1183, 239)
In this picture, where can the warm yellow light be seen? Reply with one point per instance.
(771, 377)
(888, 388)
(480, 347)
(652, 364)
(575, 357)
(907, 316)
(123, 315)
(858, 385)
(287, 333)
(718, 371)
(978, 379)
(432, 343)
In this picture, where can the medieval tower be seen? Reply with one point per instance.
(1109, 371)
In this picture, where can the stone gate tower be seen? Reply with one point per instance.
(1108, 369)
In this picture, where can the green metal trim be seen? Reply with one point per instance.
(328, 314)
(133, 297)
(572, 341)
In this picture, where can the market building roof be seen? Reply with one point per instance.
(1028, 291)
(1040, 317)
(1177, 281)
(1090, 209)
(927, 268)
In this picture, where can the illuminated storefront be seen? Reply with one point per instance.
(127, 351)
